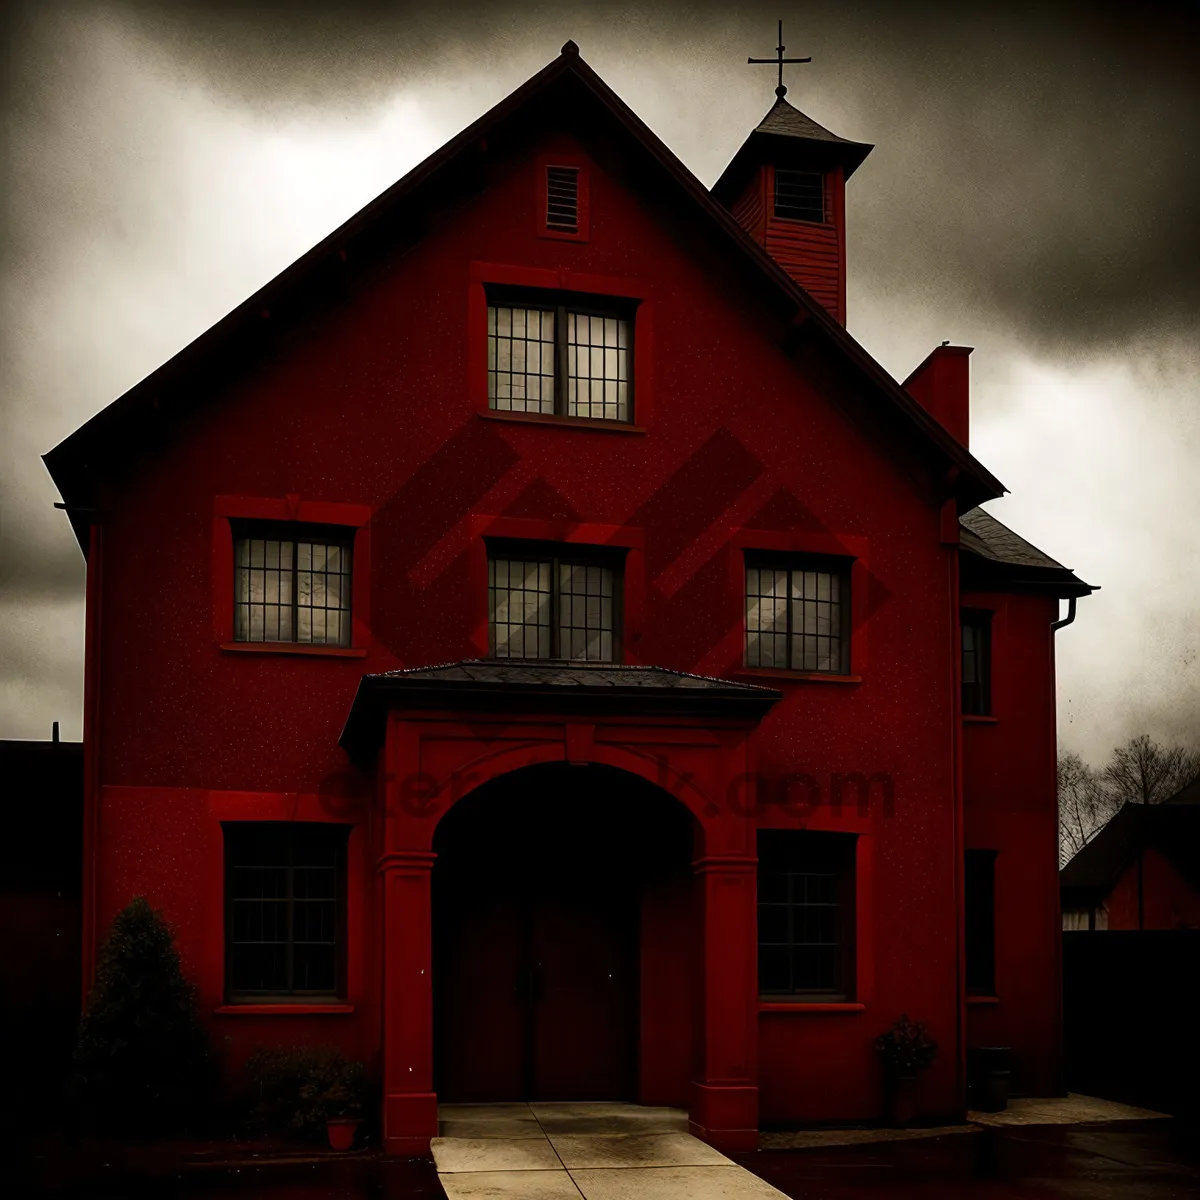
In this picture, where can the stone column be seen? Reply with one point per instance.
(409, 1102)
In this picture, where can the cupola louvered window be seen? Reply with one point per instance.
(799, 195)
(562, 199)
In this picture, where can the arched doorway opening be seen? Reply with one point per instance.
(563, 917)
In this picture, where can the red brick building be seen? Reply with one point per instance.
(528, 646)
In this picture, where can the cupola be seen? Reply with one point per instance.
(786, 187)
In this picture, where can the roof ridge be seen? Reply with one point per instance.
(72, 463)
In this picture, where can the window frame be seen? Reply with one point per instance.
(825, 198)
(979, 950)
(563, 303)
(842, 566)
(841, 851)
(976, 702)
(317, 533)
(556, 554)
(339, 834)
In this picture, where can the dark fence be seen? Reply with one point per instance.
(1131, 1011)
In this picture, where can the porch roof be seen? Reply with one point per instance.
(548, 686)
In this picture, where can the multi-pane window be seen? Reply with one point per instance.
(285, 909)
(976, 664)
(567, 359)
(798, 615)
(292, 584)
(805, 914)
(799, 195)
(979, 895)
(547, 605)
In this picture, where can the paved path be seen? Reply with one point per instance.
(595, 1151)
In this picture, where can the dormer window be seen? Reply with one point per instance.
(799, 195)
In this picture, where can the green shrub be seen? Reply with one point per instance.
(143, 1062)
(294, 1090)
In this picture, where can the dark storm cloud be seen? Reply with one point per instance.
(1037, 161)
(1036, 173)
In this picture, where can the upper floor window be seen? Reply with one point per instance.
(799, 195)
(976, 663)
(554, 603)
(292, 583)
(805, 914)
(798, 614)
(285, 903)
(565, 356)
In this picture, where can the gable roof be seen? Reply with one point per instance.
(1172, 828)
(1005, 557)
(113, 436)
(538, 685)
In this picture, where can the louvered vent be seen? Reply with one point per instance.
(562, 199)
(799, 195)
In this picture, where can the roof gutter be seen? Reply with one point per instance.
(1065, 621)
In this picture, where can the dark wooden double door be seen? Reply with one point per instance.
(534, 957)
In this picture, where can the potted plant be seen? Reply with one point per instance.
(905, 1050)
(307, 1092)
(341, 1100)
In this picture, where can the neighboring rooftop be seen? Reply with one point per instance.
(1172, 828)
(1013, 558)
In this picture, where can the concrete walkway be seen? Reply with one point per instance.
(595, 1151)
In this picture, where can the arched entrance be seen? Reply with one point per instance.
(442, 734)
(562, 939)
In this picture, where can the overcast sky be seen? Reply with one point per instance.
(1034, 193)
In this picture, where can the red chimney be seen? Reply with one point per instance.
(942, 386)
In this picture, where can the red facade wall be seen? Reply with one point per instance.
(376, 405)
(1011, 808)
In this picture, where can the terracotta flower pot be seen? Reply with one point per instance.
(901, 1100)
(342, 1131)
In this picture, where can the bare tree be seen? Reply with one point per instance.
(1085, 805)
(1143, 772)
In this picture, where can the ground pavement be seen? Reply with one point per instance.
(597, 1151)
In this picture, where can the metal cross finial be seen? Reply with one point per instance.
(779, 60)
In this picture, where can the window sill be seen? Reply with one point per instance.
(979, 999)
(979, 719)
(305, 648)
(799, 676)
(814, 1009)
(593, 423)
(283, 1010)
